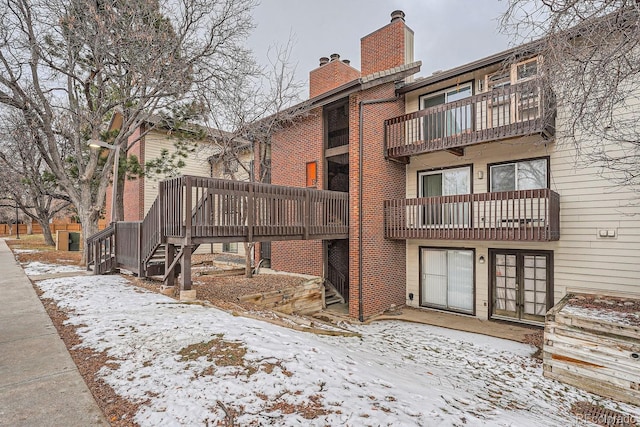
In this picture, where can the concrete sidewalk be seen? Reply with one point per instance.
(39, 383)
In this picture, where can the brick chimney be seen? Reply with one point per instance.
(388, 47)
(330, 74)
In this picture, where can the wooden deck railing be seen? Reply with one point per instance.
(129, 245)
(101, 249)
(151, 231)
(525, 215)
(246, 211)
(192, 210)
(507, 112)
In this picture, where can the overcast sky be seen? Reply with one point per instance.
(448, 33)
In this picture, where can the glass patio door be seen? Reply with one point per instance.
(447, 120)
(447, 182)
(521, 285)
(447, 279)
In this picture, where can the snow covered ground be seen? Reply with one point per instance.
(190, 361)
(37, 268)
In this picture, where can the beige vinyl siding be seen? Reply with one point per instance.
(155, 142)
(217, 248)
(583, 261)
(195, 164)
(242, 174)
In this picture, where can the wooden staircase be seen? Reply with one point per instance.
(336, 288)
(190, 211)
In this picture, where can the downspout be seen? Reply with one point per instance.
(360, 177)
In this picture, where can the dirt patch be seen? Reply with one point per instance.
(225, 291)
(42, 253)
(118, 411)
(535, 339)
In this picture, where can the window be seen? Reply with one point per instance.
(447, 279)
(447, 121)
(312, 174)
(230, 247)
(231, 166)
(446, 182)
(522, 175)
(526, 69)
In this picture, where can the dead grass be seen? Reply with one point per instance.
(219, 351)
(535, 339)
(44, 254)
(118, 411)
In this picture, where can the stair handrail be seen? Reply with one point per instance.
(337, 279)
(151, 233)
(99, 253)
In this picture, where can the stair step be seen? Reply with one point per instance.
(333, 300)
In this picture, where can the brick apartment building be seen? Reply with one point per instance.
(462, 195)
(339, 146)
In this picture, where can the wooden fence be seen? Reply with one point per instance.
(6, 229)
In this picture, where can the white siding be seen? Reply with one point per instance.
(583, 261)
(155, 142)
(242, 174)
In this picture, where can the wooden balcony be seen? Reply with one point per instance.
(190, 211)
(525, 215)
(507, 112)
(239, 211)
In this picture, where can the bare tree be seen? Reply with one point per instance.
(591, 59)
(68, 65)
(25, 177)
(243, 118)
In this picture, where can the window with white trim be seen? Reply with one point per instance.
(523, 175)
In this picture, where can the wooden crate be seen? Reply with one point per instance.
(592, 352)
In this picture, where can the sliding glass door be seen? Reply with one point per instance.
(447, 279)
(447, 120)
(446, 182)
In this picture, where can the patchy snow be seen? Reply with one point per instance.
(397, 374)
(24, 251)
(602, 314)
(37, 268)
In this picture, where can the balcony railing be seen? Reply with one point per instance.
(524, 215)
(506, 112)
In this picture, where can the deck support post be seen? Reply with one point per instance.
(169, 255)
(185, 277)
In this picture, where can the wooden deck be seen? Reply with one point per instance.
(191, 210)
(506, 112)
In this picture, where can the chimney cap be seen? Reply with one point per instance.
(335, 57)
(397, 15)
(346, 61)
(323, 60)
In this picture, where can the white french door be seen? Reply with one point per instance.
(447, 279)
(522, 288)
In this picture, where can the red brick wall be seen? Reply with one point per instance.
(384, 48)
(291, 149)
(330, 76)
(133, 189)
(384, 261)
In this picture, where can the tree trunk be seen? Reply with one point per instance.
(89, 224)
(120, 194)
(29, 226)
(46, 232)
